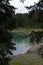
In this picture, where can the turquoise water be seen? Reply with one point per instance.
(21, 41)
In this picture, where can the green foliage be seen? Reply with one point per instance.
(36, 14)
(6, 47)
(20, 20)
(27, 59)
(36, 37)
(36, 20)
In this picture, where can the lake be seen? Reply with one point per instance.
(22, 42)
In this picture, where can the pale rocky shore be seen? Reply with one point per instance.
(34, 49)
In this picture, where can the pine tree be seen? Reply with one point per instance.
(6, 46)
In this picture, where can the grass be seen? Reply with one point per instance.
(26, 30)
(27, 59)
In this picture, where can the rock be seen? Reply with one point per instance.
(33, 49)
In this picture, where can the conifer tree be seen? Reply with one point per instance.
(6, 47)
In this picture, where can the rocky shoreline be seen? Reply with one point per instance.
(34, 49)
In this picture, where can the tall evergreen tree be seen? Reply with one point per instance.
(36, 14)
(6, 46)
(37, 37)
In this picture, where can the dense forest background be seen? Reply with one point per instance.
(9, 20)
(33, 19)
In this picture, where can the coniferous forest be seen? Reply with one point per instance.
(9, 21)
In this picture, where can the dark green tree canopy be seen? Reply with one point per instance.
(6, 47)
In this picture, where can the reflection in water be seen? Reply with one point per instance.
(22, 43)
